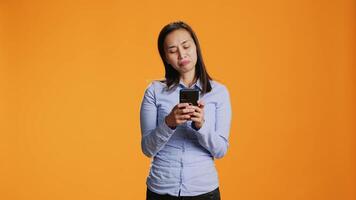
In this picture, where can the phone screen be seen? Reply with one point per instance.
(189, 96)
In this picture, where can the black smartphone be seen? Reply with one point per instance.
(189, 96)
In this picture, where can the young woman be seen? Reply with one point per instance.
(183, 139)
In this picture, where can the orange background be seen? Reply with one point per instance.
(73, 73)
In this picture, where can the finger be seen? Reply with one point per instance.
(184, 117)
(186, 110)
(195, 119)
(182, 105)
(201, 103)
(197, 109)
(182, 110)
(181, 121)
(195, 114)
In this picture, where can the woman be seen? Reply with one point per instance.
(183, 139)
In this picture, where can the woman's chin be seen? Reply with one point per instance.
(185, 69)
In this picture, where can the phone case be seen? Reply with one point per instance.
(189, 96)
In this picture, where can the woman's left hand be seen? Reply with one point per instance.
(198, 115)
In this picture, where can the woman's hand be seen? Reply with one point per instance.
(179, 114)
(197, 116)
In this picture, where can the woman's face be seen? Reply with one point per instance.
(180, 51)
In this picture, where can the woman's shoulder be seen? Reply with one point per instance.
(160, 83)
(217, 85)
(219, 91)
(156, 84)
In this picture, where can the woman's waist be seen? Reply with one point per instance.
(186, 158)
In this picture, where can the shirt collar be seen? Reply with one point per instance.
(197, 84)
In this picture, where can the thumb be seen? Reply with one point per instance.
(201, 104)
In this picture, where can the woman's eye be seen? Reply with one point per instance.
(186, 47)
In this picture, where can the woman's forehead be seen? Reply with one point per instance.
(178, 37)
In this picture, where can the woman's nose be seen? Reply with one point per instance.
(181, 52)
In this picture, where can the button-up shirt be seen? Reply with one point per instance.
(183, 158)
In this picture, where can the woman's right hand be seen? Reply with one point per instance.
(179, 114)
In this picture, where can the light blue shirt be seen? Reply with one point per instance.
(183, 158)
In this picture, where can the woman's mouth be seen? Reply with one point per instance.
(184, 62)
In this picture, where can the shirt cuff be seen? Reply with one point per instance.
(193, 126)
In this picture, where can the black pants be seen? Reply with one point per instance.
(213, 195)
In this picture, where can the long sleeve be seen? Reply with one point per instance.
(154, 136)
(214, 137)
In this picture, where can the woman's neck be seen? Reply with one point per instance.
(188, 79)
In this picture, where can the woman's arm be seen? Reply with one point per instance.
(154, 136)
(214, 137)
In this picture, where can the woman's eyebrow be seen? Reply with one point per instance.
(172, 46)
(185, 41)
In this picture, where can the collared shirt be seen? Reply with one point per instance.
(183, 158)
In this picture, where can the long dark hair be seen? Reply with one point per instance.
(172, 75)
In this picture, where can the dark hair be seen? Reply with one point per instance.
(172, 75)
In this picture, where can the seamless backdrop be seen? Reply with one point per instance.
(73, 73)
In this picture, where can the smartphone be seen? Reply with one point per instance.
(190, 96)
